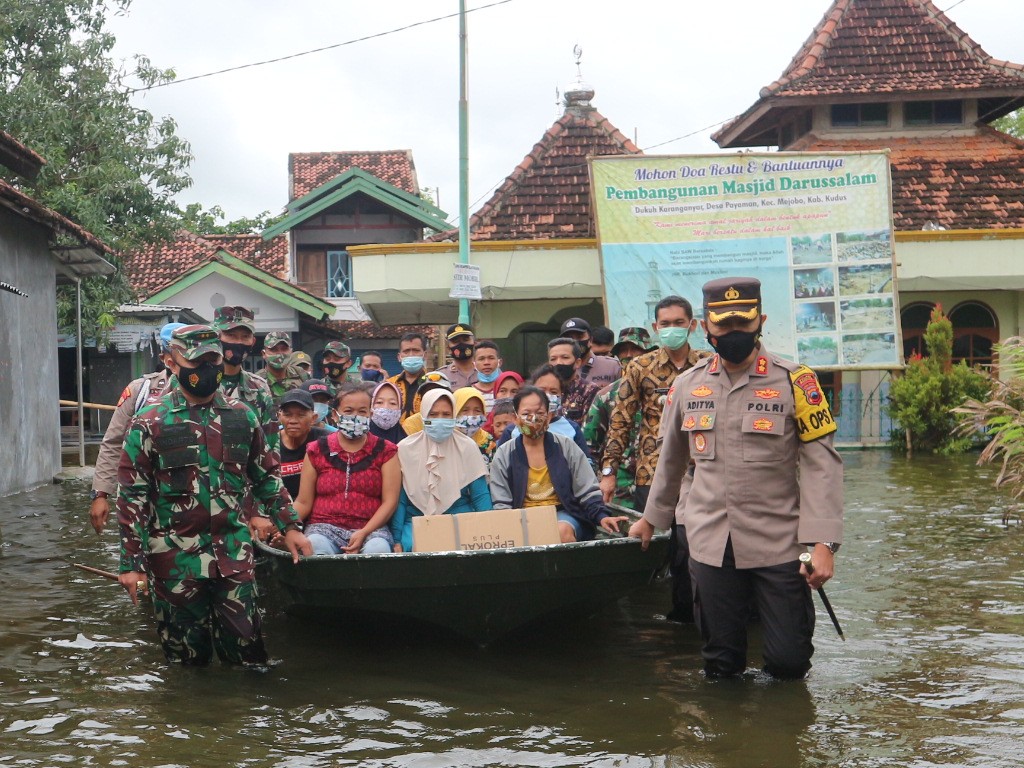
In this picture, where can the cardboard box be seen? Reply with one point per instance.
(496, 529)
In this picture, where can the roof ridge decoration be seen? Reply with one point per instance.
(820, 41)
(541, 151)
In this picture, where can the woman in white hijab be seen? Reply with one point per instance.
(443, 472)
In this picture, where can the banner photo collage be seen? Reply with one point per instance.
(815, 229)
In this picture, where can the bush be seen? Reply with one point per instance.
(924, 399)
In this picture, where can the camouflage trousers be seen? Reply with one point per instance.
(197, 616)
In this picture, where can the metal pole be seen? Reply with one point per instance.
(78, 354)
(463, 154)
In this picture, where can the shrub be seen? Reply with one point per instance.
(923, 400)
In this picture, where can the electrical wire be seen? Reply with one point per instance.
(317, 50)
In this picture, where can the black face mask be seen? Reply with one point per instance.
(235, 352)
(735, 346)
(201, 381)
(462, 351)
(334, 370)
(585, 350)
(564, 371)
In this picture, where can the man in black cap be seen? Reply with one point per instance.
(748, 467)
(600, 371)
(237, 328)
(297, 415)
(461, 340)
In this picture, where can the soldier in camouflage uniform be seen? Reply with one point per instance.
(237, 337)
(132, 400)
(187, 462)
(337, 360)
(282, 374)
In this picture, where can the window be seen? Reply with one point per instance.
(933, 112)
(339, 275)
(860, 115)
(914, 319)
(975, 332)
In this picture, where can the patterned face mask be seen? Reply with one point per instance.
(353, 426)
(470, 424)
(386, 418)
(534, 425)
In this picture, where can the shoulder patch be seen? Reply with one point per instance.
(713, 364)
(811, 412)
(125, 394)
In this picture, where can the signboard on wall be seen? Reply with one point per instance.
(815, 229)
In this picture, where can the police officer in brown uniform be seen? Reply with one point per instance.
(736, 429)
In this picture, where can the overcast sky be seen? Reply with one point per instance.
(661, 69)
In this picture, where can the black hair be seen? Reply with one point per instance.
(351, 388)
(486, 344)
(373, 352)
(577, 350)
(413, 336)
(525, 391)
(673, 301)
(602, 335)
(547, 369)
(504, 406)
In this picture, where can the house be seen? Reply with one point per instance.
(342, 199)
(900, 75)
(39, 248)
(534, 240)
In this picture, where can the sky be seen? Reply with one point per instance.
(661, 70)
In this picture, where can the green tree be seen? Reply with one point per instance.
(111, 166)
(211, 221)
(923, 399)
(1012, 123)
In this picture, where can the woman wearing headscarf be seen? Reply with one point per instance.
(469, 417)
(443, 472)
(386, 402)
(505, 388)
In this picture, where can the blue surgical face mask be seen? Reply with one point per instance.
(439, 430)
(412, 364)
(673, 338)
(470, 424)
(487, 378)
(353, 426)
(321, 410)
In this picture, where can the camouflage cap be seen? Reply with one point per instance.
(274, 338)
(732, 297)
(635, 334)
(338, 348)
(301, 358)
(194, 341)
(227, 318)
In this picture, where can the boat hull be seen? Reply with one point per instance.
(480, 595)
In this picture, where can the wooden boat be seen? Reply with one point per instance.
(480, 595)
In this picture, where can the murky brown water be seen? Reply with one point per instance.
(929, 592)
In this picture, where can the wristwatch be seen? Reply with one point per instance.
(833, 547)
(607, 472)
(98, 495)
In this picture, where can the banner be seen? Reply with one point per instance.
(815, 229)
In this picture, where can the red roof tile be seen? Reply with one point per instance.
(548, 194)
(308, 170)
(25, 206)
(19, 158)
(355, 329)
(158, 265)
(899, 46)
(957, 182)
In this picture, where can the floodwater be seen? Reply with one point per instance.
(928, 590)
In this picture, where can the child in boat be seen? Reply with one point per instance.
(350, 483)
(540, 467)
(469, 417)
(443, 472)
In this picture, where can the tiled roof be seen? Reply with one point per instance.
(25, 206)
(548, 194)
(159, 264)
(18, 157)
(878, 46)
(356, 329)
(269, 255)
(957, 182)
(308, 170)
